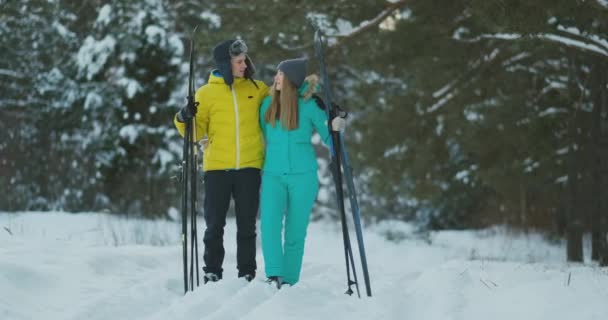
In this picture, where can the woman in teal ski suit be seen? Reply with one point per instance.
(289, 181)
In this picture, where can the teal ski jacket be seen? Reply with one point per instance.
(289, 152)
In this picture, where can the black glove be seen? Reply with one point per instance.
(187, 113)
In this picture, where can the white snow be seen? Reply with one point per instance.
(462, 176)
(395, 150)
(319, 20)
(591, 37)
(131, 86)
(599, 46)
(562, 151)
(460, 32)
(473, 116)
(155, 35)
(63, 31)
(177, 47)
(214, 20)
(444, 89)
(530, 165)
(130, 132)
(552, 111)
(344, 26)
(516, 58)
(11, 73)
(165, 158)
(575, 43)
(98, 266)
(440, 125)
(104, 17)
(503, 36)
(93, 55)
(442, 101)
(93, 101)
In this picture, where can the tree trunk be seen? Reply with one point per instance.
(602, 163)
(523, 204)
(574, 232)
(596, 174)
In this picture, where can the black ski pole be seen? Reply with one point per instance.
(185, 178)
(354, 205)
(335, 166)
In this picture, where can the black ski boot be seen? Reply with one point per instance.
(248, 277)
(210, 277)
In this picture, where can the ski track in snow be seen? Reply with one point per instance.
(59, 266)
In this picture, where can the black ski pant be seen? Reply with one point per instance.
(244, 187)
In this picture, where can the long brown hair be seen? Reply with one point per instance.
(284, 106)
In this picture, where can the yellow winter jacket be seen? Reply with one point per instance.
(229, 119)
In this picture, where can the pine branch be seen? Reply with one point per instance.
(563, 39)
(368, 24)
(453, 88)
(602, 3)
(362, 27)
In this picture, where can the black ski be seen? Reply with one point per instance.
(189, 178)
(339, 162)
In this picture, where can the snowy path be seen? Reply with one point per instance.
(88, 266)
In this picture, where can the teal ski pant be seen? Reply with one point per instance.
(289, 198)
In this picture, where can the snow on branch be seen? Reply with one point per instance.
(603, 43)
(22, 102)
(442, 101)
(345, 30)
(93, 55)
(454, 87)
(10, 73)
(365, 25)
(565, 40)
(574, 43)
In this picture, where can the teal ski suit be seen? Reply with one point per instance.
(289, 185)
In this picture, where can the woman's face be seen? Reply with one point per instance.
(278, 80)
(239, 65)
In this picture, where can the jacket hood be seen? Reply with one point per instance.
(309, 87)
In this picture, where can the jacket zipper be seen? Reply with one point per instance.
(236, 116)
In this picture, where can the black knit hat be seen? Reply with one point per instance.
(222, 54)
(294, 70)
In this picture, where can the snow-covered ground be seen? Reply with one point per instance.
(95, 266)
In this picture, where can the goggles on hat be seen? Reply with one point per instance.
(237, 48)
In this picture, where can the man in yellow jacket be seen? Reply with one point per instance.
(227, 114)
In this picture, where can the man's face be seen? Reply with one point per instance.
(238, 65)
